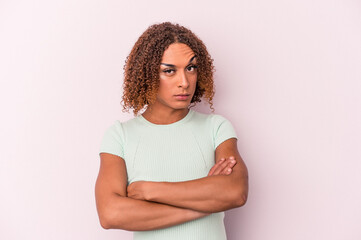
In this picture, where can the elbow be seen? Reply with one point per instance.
(241, 200)
(108, 220)
(241, 194)
(105, 224)
(235, 199)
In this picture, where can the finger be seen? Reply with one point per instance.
(215, 166)
(211, 172)
(229, 168)
(222, 166)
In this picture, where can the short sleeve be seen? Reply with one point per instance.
(222, 130)
(113, 140)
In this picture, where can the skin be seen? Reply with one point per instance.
(211, 194)
(147, 205)
(177, 75)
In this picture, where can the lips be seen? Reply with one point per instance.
(182, 96)
(185, 94)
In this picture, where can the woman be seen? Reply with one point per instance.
(170, 172)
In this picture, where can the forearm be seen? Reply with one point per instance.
(213, 193)
(208, 194)
(137, 215)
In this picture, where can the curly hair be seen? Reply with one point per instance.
(141, 69)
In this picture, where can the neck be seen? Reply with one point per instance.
(159, 116)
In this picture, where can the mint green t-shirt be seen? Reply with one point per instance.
(181, 151)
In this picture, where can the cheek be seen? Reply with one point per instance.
(162, 78)
(193, 80)
(164, 86)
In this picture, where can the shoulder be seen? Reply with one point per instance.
(217, 119)
(115, 127)
(211, 120)
(119, 126)
(219, 127)
(116, 136)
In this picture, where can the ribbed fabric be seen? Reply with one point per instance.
(180, 151)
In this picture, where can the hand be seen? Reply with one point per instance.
(223, 167)
(139, 190)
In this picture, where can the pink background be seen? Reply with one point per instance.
(288, 78)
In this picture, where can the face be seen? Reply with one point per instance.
(177, 77)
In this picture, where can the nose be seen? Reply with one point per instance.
(183, 80)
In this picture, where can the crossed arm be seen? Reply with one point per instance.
(152, 205)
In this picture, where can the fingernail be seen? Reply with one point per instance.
(231, 157)
(229, 170)
(233, 161)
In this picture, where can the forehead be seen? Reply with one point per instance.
(177, 53)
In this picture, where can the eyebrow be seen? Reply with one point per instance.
(171, 65)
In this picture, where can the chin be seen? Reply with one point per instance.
(180, 106)
(176, 105)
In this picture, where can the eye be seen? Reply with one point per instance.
(192, 68)
(168, 71)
